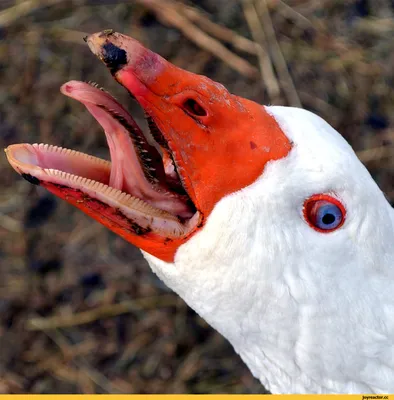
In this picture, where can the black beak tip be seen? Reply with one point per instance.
(114, 57)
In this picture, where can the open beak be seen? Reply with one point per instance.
(155, 194)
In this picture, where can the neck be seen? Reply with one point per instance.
(280, 331)
(283, 319)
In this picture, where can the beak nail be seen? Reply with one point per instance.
(114, 57)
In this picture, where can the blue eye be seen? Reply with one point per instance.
(328, 216)
(324, 213)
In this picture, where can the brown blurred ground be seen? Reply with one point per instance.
(57, 262)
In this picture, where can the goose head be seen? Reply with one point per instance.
(261, 218)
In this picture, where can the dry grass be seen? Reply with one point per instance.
(113, 326)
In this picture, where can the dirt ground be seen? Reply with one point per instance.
(80, 311)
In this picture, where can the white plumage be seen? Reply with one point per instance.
(308, 312)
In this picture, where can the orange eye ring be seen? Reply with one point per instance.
(324, 213)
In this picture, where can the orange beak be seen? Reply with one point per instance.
(222, 142)
(210, 143)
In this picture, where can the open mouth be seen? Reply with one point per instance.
(140, 187)
(158, 191)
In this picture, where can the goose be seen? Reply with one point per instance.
(261, 218)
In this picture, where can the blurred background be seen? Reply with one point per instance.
(80, 311)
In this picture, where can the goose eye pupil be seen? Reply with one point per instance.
(328, 219)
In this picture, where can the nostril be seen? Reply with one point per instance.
(194, 108)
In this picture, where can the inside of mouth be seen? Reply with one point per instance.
(137, 168)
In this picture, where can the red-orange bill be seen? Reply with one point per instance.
(207, 143)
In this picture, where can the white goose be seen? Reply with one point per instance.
(261, 218)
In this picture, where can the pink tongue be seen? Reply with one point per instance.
(126, 173)
(126, 170)
(116, 179)
(119, 146)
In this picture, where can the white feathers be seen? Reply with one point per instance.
(308, 312)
